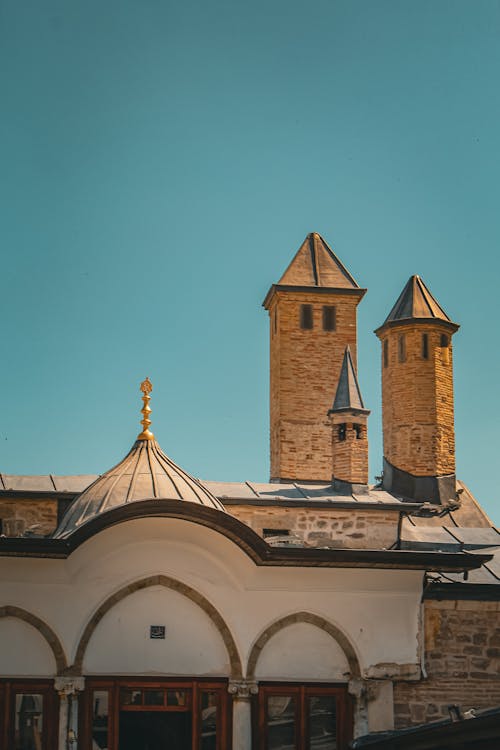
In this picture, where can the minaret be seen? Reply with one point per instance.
(312, 312)
(417, 397)
(348, 418)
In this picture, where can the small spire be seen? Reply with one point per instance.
(146, 388)
(348, 396)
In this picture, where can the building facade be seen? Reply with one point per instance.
(144, 609)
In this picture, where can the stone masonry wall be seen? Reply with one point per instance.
(359, 529)
(462, 660)
(305, 367)
(20, 514)
(417, 402)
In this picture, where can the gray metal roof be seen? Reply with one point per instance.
(348, 395)
(416, 301)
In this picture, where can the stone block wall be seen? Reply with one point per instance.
(417, 401)
(305, 367)
(358, 529)
(21, 514)
(462, 662)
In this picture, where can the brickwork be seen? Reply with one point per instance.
(19, 515)
(417, 400)
(356, 529)
(349, 448)
(462, 661)
(305, 366)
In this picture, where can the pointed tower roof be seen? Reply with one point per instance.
(416, 303)
(145, 473)
(348, 396)
(315, 266)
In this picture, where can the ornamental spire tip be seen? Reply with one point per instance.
(146, 388)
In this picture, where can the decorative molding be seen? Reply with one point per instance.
(69, 685)
(242, 689)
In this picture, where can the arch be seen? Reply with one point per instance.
(175, 585)
(311, 619)
(45, 631)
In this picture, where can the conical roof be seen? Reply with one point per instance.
(348, 395)
(145, 473)
(416, 303)
(315, 264)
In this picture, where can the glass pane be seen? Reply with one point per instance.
(176, 698)
(322, 722)
(130, 697)
(29, 721)
(280, 722)
(100, 713)
(209, 705)
(153, 697)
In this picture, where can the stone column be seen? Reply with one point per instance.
(242, 691)
(68, 689)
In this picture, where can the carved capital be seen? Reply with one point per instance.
(69, 685)
(242, 689)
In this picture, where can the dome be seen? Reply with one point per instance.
(145, 473)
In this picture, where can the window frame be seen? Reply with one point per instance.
(302, 692)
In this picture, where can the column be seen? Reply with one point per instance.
(242, 691)
(68, 689)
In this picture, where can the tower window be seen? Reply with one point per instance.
(425, 346)
(444, 340)
(306, 317)
(329, 318)
(342, 431)
(358, 429)
(402, 348)
(386, 352)
(275, 321)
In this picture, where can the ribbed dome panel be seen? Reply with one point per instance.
(145, 473)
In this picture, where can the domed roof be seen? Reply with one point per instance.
(145, 473)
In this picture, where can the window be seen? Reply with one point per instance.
(342, 431)
(402, 347)
(275, 532)
(304, 717)
(386, 352)
(329, 318)
(358, 429)
(306, 317)
(425, 346)
(444, 340)
(28, 715)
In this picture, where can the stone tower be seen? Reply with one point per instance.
(312, 312)
(417, 397)
(348, 418)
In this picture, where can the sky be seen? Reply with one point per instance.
(161, 162)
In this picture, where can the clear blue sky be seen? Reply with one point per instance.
(160, 164)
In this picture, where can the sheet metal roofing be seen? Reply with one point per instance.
(145, 473)
(315, 264)
(416, 301)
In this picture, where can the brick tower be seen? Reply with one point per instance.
(417, 397)
(348, 418)
(312, 312)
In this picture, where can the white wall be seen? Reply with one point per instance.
(121, 642)
(302, 652)
(24, 652)
(376, 609)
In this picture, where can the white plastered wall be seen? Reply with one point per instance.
(121, 643)
(377, 610)
(24, 652)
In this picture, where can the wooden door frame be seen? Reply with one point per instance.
(9, 687)
(301, 691)
(197, 685)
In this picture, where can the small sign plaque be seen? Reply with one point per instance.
(157, 632)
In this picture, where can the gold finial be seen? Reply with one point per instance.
(146, 388)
